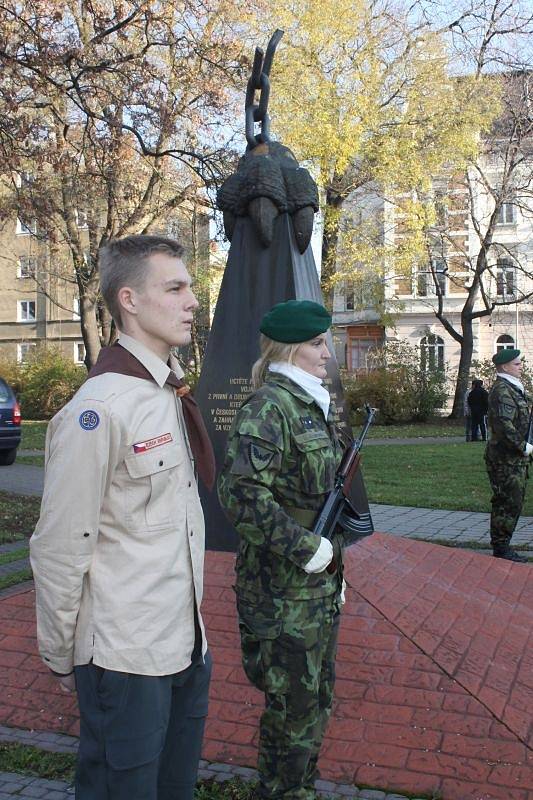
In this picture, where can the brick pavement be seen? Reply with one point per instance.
(434, 690)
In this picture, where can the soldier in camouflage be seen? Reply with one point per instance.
(508, 452)
(281, 459)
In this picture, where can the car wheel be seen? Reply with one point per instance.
(8, 457)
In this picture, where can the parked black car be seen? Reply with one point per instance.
(9, 424)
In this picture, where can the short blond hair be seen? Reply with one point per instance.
(123, 262)
(271, 351)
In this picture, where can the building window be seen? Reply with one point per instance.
(506, 214)
(23, 350)
(25, 228)
(79, 352)
(27, 267)
(504, 342)
(362, 340)
(441, 209)
(425, 284)
(432, 352)
(26, 311)
(505, 278)
(76, 308)
(349, 297)
(81, 218)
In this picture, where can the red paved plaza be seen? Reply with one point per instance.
(434, 685)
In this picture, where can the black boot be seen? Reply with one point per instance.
(506, 552)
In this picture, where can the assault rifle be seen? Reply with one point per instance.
(529, 434)
(337, 510)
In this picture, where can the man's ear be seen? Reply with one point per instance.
(127, 298)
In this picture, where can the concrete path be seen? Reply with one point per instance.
(22, 479)
(462, 528)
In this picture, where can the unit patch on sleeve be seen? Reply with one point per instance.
(89, 420)
(260, 457)
(149, 444)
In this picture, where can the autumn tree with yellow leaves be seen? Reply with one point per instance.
(365, 96)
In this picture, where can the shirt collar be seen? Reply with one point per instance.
(155, 366)
(516, 382)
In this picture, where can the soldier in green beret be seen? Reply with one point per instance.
(281, 459)
(508, 453)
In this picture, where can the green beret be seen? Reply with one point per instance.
(295, 321)
(504, 356)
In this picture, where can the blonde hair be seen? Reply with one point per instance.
(271, 351)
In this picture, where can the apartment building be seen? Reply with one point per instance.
(39, 299)
(409, 301)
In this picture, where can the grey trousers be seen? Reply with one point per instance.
(140, 736)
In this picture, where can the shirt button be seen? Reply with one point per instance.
(192, 533)
(160, 463)
(190, 484)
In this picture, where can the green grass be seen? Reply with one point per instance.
(435, 427)
(36, 461)
(28, 760)
(18, 516)
(234, 789)
(33, 434)
(14, 555)
(16, 577)
(448, 476)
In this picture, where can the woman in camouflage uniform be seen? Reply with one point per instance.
(281, 460)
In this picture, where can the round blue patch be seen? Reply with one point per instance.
(89, 420)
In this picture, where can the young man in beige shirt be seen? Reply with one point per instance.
(118, 551)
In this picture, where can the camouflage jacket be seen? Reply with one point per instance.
(508, 419)
(281, 454)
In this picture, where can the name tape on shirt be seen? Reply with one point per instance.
(149, 444)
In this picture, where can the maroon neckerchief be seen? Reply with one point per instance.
(117, 359)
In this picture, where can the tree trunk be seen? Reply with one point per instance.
(89, 330)
(330, 239)
(465, 363)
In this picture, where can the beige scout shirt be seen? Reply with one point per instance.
(118, 551)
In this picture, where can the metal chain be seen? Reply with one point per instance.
(260, 81)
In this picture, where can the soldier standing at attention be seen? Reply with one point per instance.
(281, 459)
(507, 453)
(118, 551)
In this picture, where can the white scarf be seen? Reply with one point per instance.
(513, 380)
(309, 383)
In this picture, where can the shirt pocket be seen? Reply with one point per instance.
(316, 461)
(148, 491)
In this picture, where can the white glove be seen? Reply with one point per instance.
(342, 596)
(528, 449)
(321, 558)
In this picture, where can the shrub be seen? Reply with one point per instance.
(397, 385)
(485, 371)
(43, 383)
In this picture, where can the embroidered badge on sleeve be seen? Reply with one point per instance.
(89, 420)
(260, 457)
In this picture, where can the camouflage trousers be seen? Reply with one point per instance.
(508, 483)
(288, 652)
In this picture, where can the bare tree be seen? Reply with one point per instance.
(111, 119)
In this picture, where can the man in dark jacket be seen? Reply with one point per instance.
(508, 451)
(478, 403)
